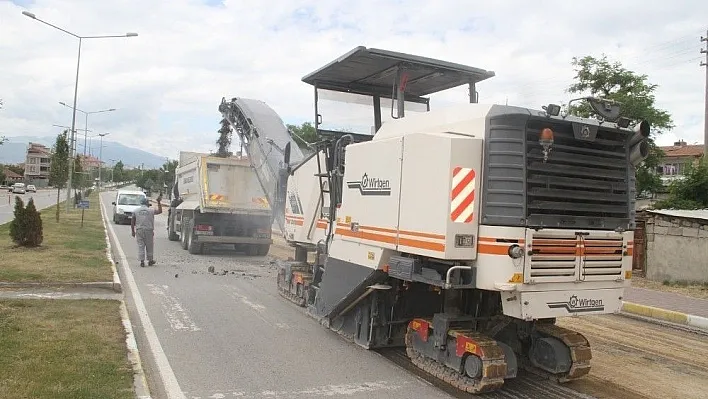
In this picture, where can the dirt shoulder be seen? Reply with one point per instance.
(69, 252)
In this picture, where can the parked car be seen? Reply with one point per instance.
(127, 201)
(31, 188)
(18, 188)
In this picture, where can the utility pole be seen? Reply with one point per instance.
(705, 113)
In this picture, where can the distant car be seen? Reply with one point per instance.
(18, 188)
(127, 201)
(31, 188)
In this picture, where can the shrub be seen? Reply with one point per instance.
(17, 230)
(35, 234)
(26, 227)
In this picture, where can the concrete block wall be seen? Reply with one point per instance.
(677, 249)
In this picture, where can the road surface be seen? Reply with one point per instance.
(230, 335)
(42, 199)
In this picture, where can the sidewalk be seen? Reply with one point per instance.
(666, 306)
(667, 300)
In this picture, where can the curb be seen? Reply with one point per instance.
(666, 315)
(117, 286)
(101, 284)
(139, 380)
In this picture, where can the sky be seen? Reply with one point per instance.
(166, 84)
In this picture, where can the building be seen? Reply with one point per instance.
(37, 163)
(11, 177)
(89, 162)
(676, 160)
(672, 245)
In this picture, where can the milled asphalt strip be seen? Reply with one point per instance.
(163, 365)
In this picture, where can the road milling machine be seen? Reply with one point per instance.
(459, 233)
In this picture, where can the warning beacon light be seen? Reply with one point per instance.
(546, 141)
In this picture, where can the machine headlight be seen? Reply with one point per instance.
(515, 251)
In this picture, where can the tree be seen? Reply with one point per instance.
(168, 171)
(611, 80)
(118, 172)
(691, 192)
(26, 227)
(224, 140)
(59, 170)
(2, 175)
(304, 134)
(77, 180)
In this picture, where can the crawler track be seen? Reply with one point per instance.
(580, 354)
(494, 367)
(525, 386)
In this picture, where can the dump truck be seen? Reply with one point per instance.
(217, 201)
(458, 234)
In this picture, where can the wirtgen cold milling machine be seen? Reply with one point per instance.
(460, 233)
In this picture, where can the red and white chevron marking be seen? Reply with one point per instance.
(462, 196)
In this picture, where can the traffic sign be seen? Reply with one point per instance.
(83, 204)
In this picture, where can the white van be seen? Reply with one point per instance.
(125, 204)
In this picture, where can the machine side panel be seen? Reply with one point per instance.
(371, 193)
(302, 205)
(440, 195)
(504, 178)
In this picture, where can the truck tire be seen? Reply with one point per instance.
(171, 233)
(251, 250)
(263, 249)
(193, 247)
(184, 235)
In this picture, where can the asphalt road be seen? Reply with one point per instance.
(232, 335)
(42, 199)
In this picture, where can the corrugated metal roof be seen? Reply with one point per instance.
(371, 71)
(690, 214)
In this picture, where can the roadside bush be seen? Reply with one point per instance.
(26, 227)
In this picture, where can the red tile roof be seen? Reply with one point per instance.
(12, 175)
(683, 150)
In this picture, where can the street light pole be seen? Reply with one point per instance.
(76, 89)
(100, 161)
(86, 123)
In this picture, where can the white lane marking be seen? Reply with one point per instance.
(258, 309)
(325, 390)
(163, 365)
(176, 314)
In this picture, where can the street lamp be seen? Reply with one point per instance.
(76, 88)
(86, 123)
(100, 161)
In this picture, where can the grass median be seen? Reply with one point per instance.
(63, 349)
(69, 253)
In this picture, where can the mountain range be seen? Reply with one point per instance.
(13, 152)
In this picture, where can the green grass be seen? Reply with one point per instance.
(63, 349)
(69, 252)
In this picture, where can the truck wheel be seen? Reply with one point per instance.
(193, 247)
(263, 249)
(252, 250)
(171, 233)
(183, 237)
